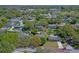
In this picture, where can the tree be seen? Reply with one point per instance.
(3, 21)
(67, 30)
(24, 40)
(8, 42)
(35, 41)
(34, 31)
(12, 13)
(29, 24)
(6, 47)
(25, 29)
(43, 22)
(1, 25)
(43, 40)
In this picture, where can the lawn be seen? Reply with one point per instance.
(51, 44)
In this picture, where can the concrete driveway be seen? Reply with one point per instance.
(60, 45)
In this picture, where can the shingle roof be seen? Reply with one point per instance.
(55, 38)
(52, 26)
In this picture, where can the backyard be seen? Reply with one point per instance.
(51, 44)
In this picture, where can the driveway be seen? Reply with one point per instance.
(60, 45)
(70, 49)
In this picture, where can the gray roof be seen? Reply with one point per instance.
(30, 18)
(77, 25)
(15, 19)
(55, 38)
(16, 22)
(41, 34)
(54, 16)
(40, 27)
(54, 10)
(52, 26)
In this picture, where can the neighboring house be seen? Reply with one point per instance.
(5, 27)
(53, 16)
(15, 24)
(75, 26)
(52, 26)
(31, 18)
(54, 38)
(54, 10)
(40, 34)
(65, 19)
(39, 27)
(21, 10)
(57, 39)
(30, 9)
(61, 24)
(46, 15)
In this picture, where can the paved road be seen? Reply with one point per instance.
(69, 47)
(20, 50)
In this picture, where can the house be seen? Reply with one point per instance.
(52, 26)
(54, 38)
(75, 26)
(65, 19)
(31, 18)
(57, 39)
(39, 27)
(61, 25)
(15, 24)
(40, 34)
(30, 9)
(54, 10)
(53, 16)
(48, 15)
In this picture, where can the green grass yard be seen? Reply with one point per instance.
(51, 44)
